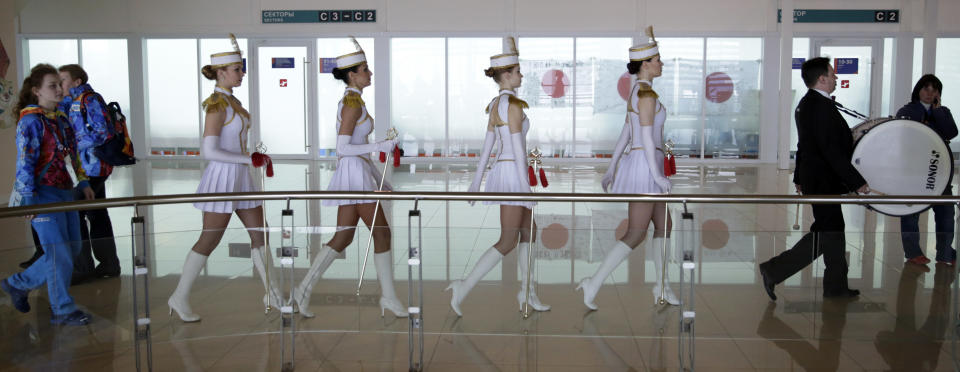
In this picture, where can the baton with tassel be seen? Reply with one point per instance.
(533, 169)
(265, 171)
(391, 134)
(669, 170)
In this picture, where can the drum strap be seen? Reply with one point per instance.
(850, 111)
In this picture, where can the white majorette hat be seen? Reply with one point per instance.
(645, 50)
(352, 59)
(218, 60)
(510, 56)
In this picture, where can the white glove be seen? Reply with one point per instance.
(210, 150)
(625, 136)
(386, 146)
(646, 136)
(344, 147)
(607, 179)
(520, 156)
(488, 142)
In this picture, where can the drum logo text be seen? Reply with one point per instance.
(932, 169)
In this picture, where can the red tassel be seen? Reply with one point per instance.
(269, 168)
(396, 156)
(669, 166)
(543, 178)
(383, 157)
(532, 176)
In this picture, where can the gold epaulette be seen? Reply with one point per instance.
(217, 102)
(518, 102)
(646, 91)
(353, 100)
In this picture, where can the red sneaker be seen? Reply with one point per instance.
(919, 260)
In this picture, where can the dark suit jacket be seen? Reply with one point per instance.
(824, 149)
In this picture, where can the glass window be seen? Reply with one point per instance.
(330, 90)
(418, 93)
(732, 106)
(680, 88)
(801, 49)
(603, 84)
(917, 59)
(547, 66)
(470, 92)
(105, 61)
(948, 71)
(57, 52)
(173, 104)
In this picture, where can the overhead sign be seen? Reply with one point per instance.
(798, 63)
(318, 16)
(282, 62)
(846, 65)
(843, 15)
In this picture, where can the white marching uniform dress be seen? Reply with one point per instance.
(633, 173)
(220, 177)
(355, 172)
(503, 173)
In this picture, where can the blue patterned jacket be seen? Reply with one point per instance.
(44, 140)
(91, 130)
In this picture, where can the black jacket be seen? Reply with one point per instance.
(824, 149)
(938, 119)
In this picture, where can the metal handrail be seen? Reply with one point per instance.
(479, 196)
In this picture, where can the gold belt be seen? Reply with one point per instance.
(500, 160)
(641, 148)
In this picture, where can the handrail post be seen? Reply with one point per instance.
(141, 324)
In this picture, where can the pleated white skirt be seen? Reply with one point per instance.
(354, 174)
(503, 178)
(634, 175)
(221, 177)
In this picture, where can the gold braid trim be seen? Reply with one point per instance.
(646, 91)
(353, 100)
(217, 102)
(518, 102)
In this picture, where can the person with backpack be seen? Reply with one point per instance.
(47, 171)
(92, 125)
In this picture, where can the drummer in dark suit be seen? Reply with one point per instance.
(823, 168)
(925, 107)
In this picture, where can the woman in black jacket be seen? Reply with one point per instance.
(925, 107)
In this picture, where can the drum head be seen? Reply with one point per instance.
(903, 157)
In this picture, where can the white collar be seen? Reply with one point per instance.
(825, 94)
(352, 89)
(645, 82)
(926, 106)
(221, 90)
(508, 91)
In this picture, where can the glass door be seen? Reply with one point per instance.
(283, 82)
(858, 65)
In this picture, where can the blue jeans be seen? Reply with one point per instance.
(943, 215)
(60, 237)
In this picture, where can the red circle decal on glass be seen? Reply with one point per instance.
(555, 236)
(719, 87)
(555, 83)
(624, 85)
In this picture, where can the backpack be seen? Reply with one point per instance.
(118, 149)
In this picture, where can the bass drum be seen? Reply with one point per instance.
(901, 157)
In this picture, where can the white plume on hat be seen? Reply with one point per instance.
(510, 56)
(218, 60)
(647, 49)
(352, 59)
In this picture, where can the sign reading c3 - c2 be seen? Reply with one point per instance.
(319, 16)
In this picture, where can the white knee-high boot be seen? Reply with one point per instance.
(179, 301)
(591, 285)
(388, 295)
(663, 276)
(301, 294)
(523, 251)
(271, 292)
(461, 288)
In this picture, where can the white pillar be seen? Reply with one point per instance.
(786, 96)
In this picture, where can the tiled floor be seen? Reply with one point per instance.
(905, 320)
